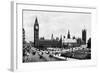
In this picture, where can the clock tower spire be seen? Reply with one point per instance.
(36, 33)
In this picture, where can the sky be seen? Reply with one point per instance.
(56, 23)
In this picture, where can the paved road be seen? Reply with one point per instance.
(36, 58)
(45, 57)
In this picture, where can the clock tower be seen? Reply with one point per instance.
(36, 33)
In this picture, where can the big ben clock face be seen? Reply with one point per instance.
(36, 27)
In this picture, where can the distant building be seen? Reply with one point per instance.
(84, 36)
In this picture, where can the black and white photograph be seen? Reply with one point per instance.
(49, 35)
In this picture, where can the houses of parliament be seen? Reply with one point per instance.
(43, 43)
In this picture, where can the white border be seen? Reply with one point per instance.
(17, 64)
